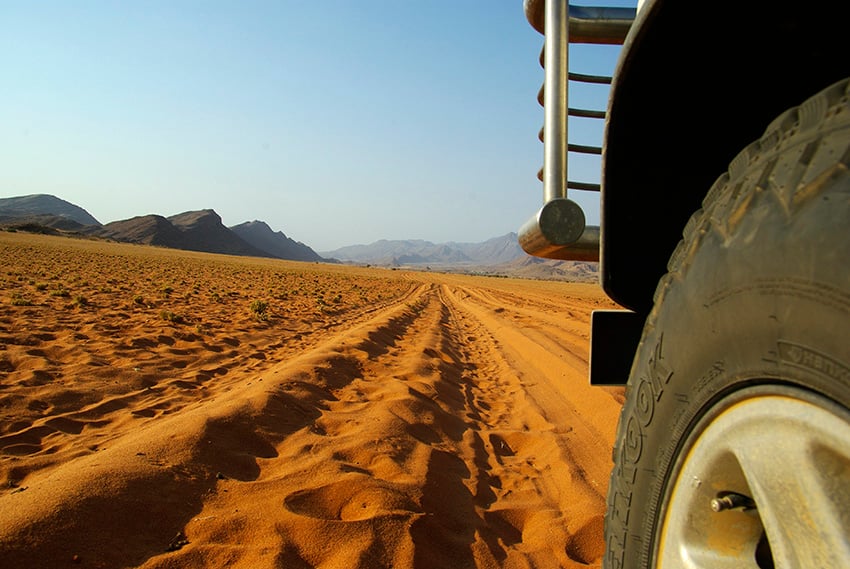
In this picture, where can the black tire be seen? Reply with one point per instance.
(751, 324)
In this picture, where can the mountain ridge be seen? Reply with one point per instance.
(203, 230)
(276, 243)
(44, 204)
(497, 250)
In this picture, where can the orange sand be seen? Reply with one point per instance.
(149, 417)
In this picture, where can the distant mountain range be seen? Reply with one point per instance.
(203, 230)
(494, 251)
(193, 230)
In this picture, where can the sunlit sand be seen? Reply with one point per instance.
(162, 409)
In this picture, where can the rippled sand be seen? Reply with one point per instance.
(165, 409)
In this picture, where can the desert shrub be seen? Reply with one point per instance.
(20, 300)
(260, 309)
(80, 301)
(61, 291)
(170, 316)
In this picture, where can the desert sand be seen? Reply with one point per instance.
(168, 409)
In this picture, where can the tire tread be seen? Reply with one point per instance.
(788, 154)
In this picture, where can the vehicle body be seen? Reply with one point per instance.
(724, 233)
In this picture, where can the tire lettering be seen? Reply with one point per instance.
(615, 554)
(633, 444)
(717, 368)
(644, 403)
(620, 506)
(651, 386)
(806, 358)
(658, 372)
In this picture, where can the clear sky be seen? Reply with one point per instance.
(338, 122)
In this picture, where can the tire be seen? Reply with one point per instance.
(733, 447)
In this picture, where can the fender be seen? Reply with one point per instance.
(695, 83)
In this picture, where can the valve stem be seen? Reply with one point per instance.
(732, 501)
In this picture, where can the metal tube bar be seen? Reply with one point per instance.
(558, 230)
(587, 24)
(556, 54)
(598, 79)
(584, 149)
(588, 187)
(541, 94)
(592, 24)
(586, 113)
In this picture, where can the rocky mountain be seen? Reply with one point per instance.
(494, 251)
(550, 269)
(498, 256)
(275, 243)
(193, 231)
(498, 250)
(203, 230)
(35, 205)
(200, 230)
(145, 229)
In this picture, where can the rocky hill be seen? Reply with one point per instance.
(193, 231)
(203, 230)
(275, 243)
(37, 205)
(146, 229)
(494, 251)
(498, 256)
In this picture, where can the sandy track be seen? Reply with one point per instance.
(447, 424)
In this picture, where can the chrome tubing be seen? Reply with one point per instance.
(560, 222)
(556, 110)
(587, 24)
(558, 229)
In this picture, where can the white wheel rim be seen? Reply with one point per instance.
(791, 455)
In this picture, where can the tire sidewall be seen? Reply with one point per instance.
(762, 303)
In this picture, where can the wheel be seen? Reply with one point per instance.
(733, 447)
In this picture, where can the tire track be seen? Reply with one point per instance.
(532, 447)
(185, 377)
(431, 431)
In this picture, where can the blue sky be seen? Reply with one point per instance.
(337, 122)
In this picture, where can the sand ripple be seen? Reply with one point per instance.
(366, 418)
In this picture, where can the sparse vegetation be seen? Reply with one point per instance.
(66, 273)
(19, 299)
(260, 309)
(170, 316)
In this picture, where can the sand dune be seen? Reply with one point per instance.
(165, 409)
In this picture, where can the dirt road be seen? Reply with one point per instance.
(447, 422)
